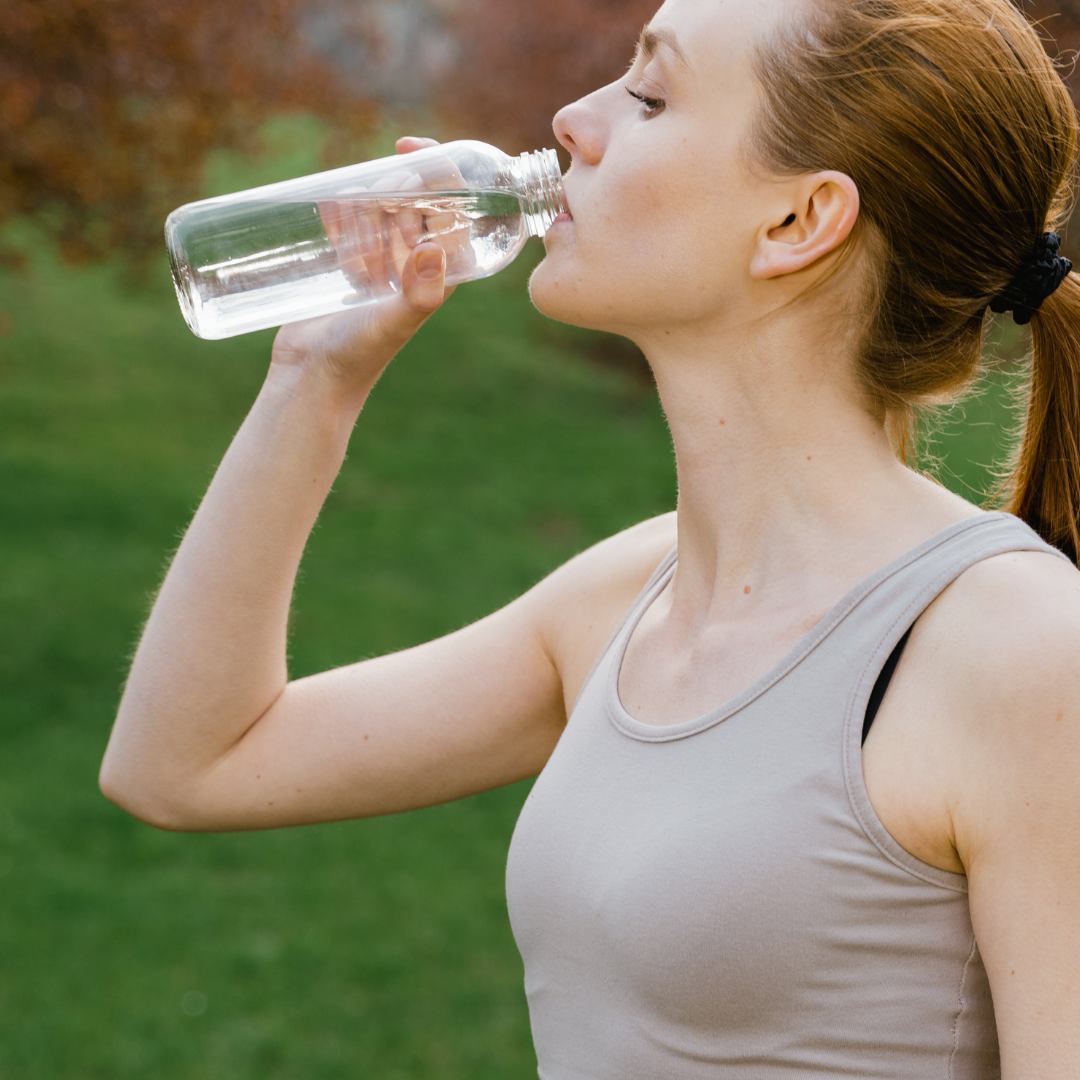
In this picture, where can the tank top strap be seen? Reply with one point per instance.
(885, 606)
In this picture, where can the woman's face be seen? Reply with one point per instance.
(665, 206)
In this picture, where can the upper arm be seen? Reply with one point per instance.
(1016, 800)
(479, 708)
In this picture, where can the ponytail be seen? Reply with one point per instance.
(1044, 487)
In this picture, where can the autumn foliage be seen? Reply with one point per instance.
(108, 108)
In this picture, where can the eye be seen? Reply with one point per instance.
(653, 106)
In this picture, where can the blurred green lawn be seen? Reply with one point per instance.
(490, 452)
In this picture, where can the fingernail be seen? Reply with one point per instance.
(429, 263)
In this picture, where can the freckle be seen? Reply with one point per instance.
(747, 589)
(809, 456)
(1013, 972)
(1060, 716)
(365, 738)
(269, 804)
(722, 420)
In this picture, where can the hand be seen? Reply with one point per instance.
(353, 348)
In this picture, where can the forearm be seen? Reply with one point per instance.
(211, 662)
(212, 658)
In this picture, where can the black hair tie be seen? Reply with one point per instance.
(1044, 271)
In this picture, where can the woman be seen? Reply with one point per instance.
(801, 212)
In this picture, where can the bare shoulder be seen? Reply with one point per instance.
(996, 666)
(1009, 628)
(582, 602)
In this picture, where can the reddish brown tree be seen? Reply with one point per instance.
(108, 108)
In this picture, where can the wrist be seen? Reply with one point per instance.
(334, 399)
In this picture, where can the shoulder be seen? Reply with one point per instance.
(1009, 627)
(580, 604)
(997, 660)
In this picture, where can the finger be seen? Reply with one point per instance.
(336, 217)
(371, 240)
(408, 143)
(411, 221)
(395, 180)
(423, 278)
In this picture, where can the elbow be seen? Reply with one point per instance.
(144, 799)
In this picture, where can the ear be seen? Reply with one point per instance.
(817, 219)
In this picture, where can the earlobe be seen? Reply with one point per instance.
(827, 207)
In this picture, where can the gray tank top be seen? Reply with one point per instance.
(718, 898)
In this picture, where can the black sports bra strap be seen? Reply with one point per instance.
(877, 695)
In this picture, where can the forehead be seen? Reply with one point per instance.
(712, 36)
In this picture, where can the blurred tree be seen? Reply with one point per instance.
(108, 108)
(520, 61)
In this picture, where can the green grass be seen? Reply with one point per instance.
(487, 456)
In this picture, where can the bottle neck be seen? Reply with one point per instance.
(541, 184)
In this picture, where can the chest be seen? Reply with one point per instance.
(664, 682)
(716, 884)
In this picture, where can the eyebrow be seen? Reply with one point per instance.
(651, 40)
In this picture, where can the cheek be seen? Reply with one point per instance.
(645, 247)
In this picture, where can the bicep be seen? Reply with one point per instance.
(467, 712)
(1025, 909)
(1018, 833)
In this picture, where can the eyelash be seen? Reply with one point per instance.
(653, 106)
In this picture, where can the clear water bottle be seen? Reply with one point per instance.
(338, 239)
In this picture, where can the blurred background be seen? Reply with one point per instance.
(495, 447)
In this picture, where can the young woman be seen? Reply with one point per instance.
(801, 210)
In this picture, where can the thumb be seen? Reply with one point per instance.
(423, 278)
(423, 289)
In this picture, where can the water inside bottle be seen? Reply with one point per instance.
(263, 263)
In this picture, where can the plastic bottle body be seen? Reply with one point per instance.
(338, 239)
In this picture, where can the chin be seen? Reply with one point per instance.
(563, 296)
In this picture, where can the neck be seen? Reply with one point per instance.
(786, 482)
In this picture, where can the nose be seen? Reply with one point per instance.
(580, 128)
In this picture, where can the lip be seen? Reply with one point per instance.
(567, 214)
